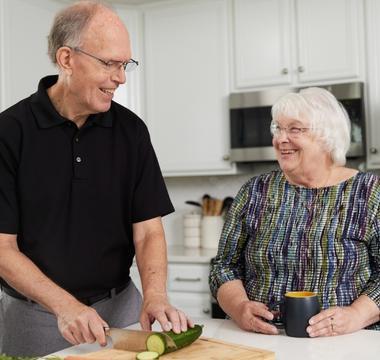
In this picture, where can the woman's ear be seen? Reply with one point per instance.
(63, 58)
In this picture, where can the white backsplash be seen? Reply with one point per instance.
(193, 188)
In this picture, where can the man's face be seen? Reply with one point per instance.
(92, 84)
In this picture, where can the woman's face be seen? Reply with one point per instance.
(297, 149)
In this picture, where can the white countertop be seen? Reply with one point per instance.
(182, 254)
(363, 345)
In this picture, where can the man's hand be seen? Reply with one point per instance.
(157, 307)
(80, 324)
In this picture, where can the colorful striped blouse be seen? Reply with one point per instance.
(280, 237)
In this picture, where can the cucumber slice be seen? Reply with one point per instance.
(147, 355)
(157, 341)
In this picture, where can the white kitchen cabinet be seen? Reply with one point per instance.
(130, 94)
(187, 85)
(297, 42)
(262, 33)
(373, 85)
(187, 286)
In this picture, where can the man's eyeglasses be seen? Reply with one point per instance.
(111, 65)
(292, 131)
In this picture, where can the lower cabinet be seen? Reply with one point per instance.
(188, 288)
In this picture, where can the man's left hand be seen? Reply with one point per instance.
(157, 307)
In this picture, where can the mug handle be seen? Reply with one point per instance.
(277, 321)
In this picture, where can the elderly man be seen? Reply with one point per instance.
(81, 193)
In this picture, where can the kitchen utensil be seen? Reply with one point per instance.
(132, 340)
(218, 207)
(191, 202)
(203, 348)
(227, 202)
(205, 204)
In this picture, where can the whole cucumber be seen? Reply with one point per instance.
(157, 341)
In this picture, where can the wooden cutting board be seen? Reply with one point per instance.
(203, 348)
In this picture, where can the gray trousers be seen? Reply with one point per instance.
(28, 329)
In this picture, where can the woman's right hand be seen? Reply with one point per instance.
(253, 316)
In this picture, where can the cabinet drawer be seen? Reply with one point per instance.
(194, 305)
(193, 278)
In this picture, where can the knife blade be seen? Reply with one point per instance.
(134, 340)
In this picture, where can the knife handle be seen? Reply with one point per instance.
(106, 330)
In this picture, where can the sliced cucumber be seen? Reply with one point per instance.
(157, 342)
(147, 355)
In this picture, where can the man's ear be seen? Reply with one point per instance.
(63, 57)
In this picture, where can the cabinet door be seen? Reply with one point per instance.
(262, 42)
(130, 93)
(187, 85)
(329, 39)
(188, 277)
(193, 304)
(373, 85)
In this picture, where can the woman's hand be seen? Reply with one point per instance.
(335, 321)
(253, 316)
(344, 320)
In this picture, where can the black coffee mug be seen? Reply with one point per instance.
(296, 309)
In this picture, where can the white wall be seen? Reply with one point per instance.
(24, 28)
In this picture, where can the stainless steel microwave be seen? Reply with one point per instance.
(250, 118)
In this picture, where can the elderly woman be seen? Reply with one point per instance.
(314, 225)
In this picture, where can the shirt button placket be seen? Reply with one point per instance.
(78, 158)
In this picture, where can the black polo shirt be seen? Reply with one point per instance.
(71, 195)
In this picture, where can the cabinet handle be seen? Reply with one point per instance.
(373, 150)
(226, 157)
(187, 279)
(301, 69)
(206, 311)
(284, 71)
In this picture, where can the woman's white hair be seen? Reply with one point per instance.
(327, 118)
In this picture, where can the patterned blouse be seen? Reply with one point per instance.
(279, 237)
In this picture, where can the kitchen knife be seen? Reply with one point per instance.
(134, 340)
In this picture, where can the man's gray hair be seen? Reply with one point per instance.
(70, 23)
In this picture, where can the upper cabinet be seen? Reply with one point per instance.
(131, 94)
(296, 42)
(373, 84)
(262, 42)
(187, 85)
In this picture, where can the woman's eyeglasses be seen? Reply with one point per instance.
(292, 131)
